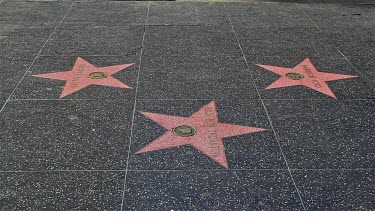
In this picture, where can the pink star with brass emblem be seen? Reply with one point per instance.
(84, 74)
(304, 74)
(202, 130)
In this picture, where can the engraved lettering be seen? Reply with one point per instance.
(78, 76)
(316, 83)
(309, 73)
(211, 125)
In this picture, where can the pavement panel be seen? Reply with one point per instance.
(94, 40)
(107, 13)
(266, 15)
(46, 191)
(19, 40)
(325, 134)
(65, 135)
(365, 64)
(194, 13)
(11, 70)
(351, 34)
(321, 9)
(358, 41)
(179, 77)
(206, 61)
(33, 13)
(341, 15)
(336, 189)
(284, 42)
(191, 41)
(210, 190)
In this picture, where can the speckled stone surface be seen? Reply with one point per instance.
(328, 16)
(365, 64)
(210, 190)
(61, 191)
(33, 13)
(181, 77)
(17, 40)
(11, 70)
(65, 135)
(360, 43)
(80, 152)
(337, 189)
(199, 13)
(112, 13)
(187, 41)
(325, 134)
(285, 42)
(283, 15)
(94, 40)
(2, 102)
(44, 88)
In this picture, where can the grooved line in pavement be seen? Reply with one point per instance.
(36, 57)
(134, 106)
(265, 109)
(181, 170)
(198, 99)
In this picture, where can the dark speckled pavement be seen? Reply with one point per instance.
(93, 149)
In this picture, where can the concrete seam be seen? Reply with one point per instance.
(265, 109)
(36, 57)
(134, 109)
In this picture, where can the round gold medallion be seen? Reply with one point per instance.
(97, 75)
(184, 130)
(294, 76)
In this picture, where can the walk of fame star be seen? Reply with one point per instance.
(84, 74)
(202, 130)
(304, 74)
